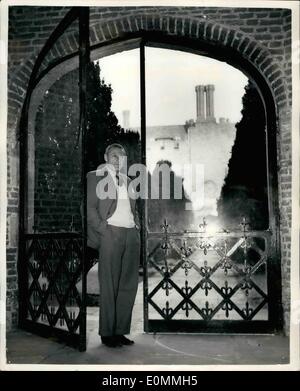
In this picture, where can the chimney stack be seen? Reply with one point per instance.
(200, 103)
(210, 115)
(205, 103)
(126, 114)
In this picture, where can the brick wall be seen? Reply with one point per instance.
(57, 191)
(260, 36)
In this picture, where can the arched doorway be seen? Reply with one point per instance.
(57, 307)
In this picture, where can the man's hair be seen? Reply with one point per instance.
(115, 145)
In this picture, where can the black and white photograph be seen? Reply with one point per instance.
(150, 185)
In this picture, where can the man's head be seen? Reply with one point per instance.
(115, 154)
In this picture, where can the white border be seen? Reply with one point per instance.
(295, 294)
(3, 177)
(295, 231)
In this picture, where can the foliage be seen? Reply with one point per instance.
(103, 128)
(244, 192)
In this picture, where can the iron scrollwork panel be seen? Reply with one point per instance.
(54, 281)
(202, 276)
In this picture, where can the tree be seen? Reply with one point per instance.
(102, 125)
(244, 192)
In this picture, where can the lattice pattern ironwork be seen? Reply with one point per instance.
(212, 275)
(54, 265)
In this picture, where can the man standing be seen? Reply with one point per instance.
(113, 228)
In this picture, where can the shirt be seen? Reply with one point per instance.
(123, 216)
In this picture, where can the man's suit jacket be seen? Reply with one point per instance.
(99, 210)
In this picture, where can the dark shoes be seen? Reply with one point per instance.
(111, 342)
(116, 341)
(123, 340)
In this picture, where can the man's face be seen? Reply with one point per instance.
(116, 157)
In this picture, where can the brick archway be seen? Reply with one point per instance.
(197, 30)
(198, 34)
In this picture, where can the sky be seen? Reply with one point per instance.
(171, 77)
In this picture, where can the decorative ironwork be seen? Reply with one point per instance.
(167, 310)
(166, 283)
(224, 251)
(186, 289)
(226, 263)
(185, 253)
(187, 308)
(207, 310)
(165, 246)
(54, 267)
(247, 285)
(165, 226)
(205, 283)
(247, 310)
(203, 225)
(204, 245)
(245, 245)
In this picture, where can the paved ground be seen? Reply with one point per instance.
(24, 348)
(159, 349)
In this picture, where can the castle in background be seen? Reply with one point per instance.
(204, 141)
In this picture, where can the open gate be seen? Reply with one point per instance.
(52, 281)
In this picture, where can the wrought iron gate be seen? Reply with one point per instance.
(51, 267)
(212, 282)
(203, 282)
(53, 301)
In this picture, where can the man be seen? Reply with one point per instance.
(113, 228)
